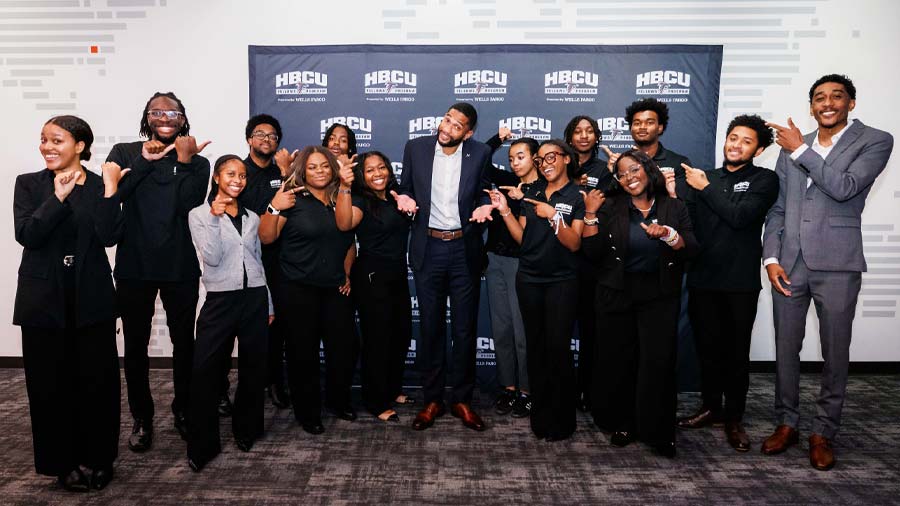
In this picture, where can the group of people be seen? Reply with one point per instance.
(290, 246)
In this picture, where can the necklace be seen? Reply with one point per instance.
(648, 209)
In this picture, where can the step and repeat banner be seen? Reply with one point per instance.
(390, 94)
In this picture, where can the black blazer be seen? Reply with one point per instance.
(609, 247)
(415, 182)
(37, 214)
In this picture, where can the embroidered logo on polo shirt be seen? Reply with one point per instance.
(592, 181)
(742, 186)
(275, 183)
(563, 208)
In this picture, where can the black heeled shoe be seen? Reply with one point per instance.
(393, 418)
(243, 444)
(101, 477)
(621, 439)
(74, 481)
(315, 427)
(343, 413)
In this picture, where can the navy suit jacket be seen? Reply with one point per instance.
(415, 182)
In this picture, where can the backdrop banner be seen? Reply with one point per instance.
(390, 94)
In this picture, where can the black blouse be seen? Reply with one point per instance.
(312, 248)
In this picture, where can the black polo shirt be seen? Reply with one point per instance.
(728, 217)
(542, 258)
(643, 251)
(498, 240)
(312, 247)
(598, 175)
(665, 158)
(262, 185)
(383, 231)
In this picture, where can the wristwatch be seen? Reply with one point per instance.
(272, 210)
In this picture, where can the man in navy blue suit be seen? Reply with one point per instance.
(442, 183)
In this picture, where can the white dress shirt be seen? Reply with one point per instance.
(445, 189)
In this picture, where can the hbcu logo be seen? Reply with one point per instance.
(615, 129)
(301, 82)
(571, 82)
(527, 126)
(480, 82)
(361, 127)
(397, 169)
(424, 126)
(663, 82)
(390, 82)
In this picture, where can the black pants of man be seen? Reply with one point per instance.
(447, 273)
(224, 316)
(72, 378)
(635, 386)
(319, 314)
(548, 313)
(587, 332)
(137, 304)
(723, 323)
(382, 298)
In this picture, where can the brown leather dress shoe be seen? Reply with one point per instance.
(737, 436)
(702, 418)
(783, 437)
(821, 456)
(469, 418)
(426, 417)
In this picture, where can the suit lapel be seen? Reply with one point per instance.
(465, 170)
(849, 137)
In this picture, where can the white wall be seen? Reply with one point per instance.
(773, 52)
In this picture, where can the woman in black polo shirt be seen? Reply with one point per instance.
(549, 231)
(65, 305)
(640, 238)
(379, 277)
(315, 259)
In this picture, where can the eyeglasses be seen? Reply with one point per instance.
(632, 172)
(549, 158)
(171, 115)
(261, 136)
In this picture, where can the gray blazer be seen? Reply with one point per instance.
(824, 220)
(224, 254)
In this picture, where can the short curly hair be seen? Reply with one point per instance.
(834, 78)
(648, 104)
(763, 133)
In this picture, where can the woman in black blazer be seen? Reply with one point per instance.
(65, 304)
(640, 237)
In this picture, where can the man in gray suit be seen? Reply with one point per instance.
(812, 246)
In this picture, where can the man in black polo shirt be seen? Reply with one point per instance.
(266, 168)
(728, 208)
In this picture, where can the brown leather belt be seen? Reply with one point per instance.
(445, 235)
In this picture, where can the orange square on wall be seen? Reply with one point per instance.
(95, 49)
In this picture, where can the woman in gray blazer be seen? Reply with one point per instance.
(225, 235)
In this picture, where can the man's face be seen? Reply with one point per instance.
(339, 142)
(741, 146)
(454, 129)
(831, 105)
(163, 128)
(263, 140)
(645, 128)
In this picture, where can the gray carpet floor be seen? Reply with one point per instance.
(369, 462)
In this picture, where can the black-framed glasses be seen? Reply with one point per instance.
(170, 115)
(632, 172)
(261, 136)
(549, 158)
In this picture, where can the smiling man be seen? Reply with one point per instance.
(443, 182)
(813, 251)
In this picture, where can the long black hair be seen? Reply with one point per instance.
(359, 183)
(351, 138)
(656, 182)
(145, 123)
(569, 132)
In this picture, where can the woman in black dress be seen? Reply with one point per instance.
(65, 304)
(316, 258)
(379, 277)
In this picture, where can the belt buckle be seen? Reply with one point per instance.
(69, 260)
(446, 235)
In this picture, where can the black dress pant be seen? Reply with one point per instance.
(224, 315)
(587, 331)
(446, 273)
(548, 313)
(278, 329)
(635, 386)
(382, 298)
(137, 304)
(319, 314)
(723, 323)
(72, 378)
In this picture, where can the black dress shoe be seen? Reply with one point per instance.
(101, 477)
(74, 481)
(665, 449)
(700, 419)
(141, 438)
(315, 427)
(225, 406)
(505, 401)
(197, 465)
(737, 436)
(621, 439)
(558, 436)
(522, 406)
(181, 424)
(342, 413)
(280, 398)
(243, 444)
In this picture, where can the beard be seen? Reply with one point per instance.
(738, 163)
(261, 155)
(452, 143)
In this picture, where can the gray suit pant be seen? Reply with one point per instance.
(834, 295)
(506, 321)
